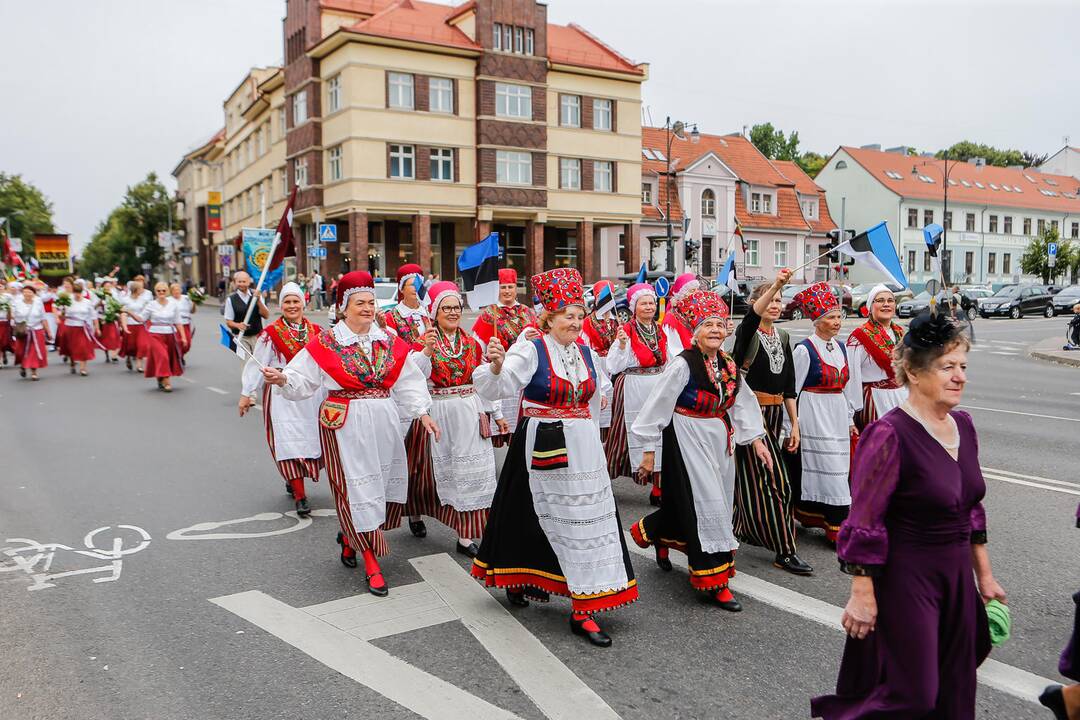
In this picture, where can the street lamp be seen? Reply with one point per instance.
(674, 129)
(946, 221)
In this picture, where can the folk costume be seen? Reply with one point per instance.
(554, 527)
(599, 334)
(916, 511)
(31, 335)
(134, 314)
(186, 307)
(870, 357)
(764, 507)
(7, 340)
(451, 479)
(367, 380)
(292, 426)
(676, 330)
(48, 301)
(80, 339)
(640, 364)
(111, 336)
(698, 414)
(827, 402)
(163, 357)
(408, 323)
(505, 322)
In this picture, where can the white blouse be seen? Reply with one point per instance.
(135, 307)
(80, 313)
(835, 357)
(185, 304)
(163, 319)
(32, 313)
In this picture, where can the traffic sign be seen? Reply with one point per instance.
(316, 252)
(1051, 249)
(663, 286)
(327, 232)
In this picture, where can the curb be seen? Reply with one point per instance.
(1047, 352)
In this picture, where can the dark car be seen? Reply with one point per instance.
(1015, 300)
(914, 306)
(1064, 301)
(792, 310)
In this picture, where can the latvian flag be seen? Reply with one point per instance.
(479, 268)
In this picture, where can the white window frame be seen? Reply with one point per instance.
(300, 172)
(530, 43)
(601, 117)
(755, 202)
(603, 176)
(519, 40)
(401, 91)
(402, 154)
(441, 95)
(333, 94)
(570, 111)
(284, 182)
(751, 252)
(283, 122)
(260, 143)
(766, 203)
(334, 162)
(569, 173)
(646, 193)
(513, 168)
(497, 39)
(513, 101)
(780, 252)
(708, 196)
(442, 164)
(299, 108)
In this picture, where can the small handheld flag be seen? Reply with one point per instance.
(875, 248)
(604, 303)
(932, 235)
(643, 273)
(727, 277)
(228, 341)
(479, 267)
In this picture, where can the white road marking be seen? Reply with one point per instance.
(424, 694)
(1017, 412)
(1006, 678)
(36, 559)
(219, 391)
(1030, 477)
(203, 527)
(996, 352)
(1028, 483)
(186, 379)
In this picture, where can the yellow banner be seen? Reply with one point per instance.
(213, 198)
(53, 254)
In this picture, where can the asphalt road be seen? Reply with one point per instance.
(145, 641)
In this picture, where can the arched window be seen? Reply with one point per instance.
(841, 165)
(708, 204)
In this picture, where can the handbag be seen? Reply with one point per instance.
(485, 425)
(19, 330)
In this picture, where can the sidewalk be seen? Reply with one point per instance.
(1050, 350)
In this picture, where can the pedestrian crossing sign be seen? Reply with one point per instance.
(327, 232)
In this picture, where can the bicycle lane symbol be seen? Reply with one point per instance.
(35, 559)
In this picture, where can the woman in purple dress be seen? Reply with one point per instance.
(1065, 701)
(915, 544)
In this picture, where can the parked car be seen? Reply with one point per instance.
(386, 294)
(859, 293)
(792, 311)
(1064, 301)
(1015, 300)
(971, 296)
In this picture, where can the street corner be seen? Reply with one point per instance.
(1052, 350)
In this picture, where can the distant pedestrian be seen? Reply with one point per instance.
(31, 332)
(187, 309)
(221, 288)
(165, 338)
(236, 308)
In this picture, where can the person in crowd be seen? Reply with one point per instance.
(368, 382)
(236, 308)
(31, 332)
(554, 527)
(1065, 701)
(826, 405)
(697, 413)
(408, 319)
(451, 479)
(600, 333)
(186, 308)
(8, 293)
(915, 544)
(81, 329)
(111, 337)
(764, 510)
(165, 336)
(316, 288)
(292, 426)
(133, 345)
(676, 330)
(505, 320)
(870, 352)
(640, 361)
(64, 295)
(221, 285)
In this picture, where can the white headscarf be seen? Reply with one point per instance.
(874, 292)
(290, 288)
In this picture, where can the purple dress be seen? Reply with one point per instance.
(1069, 666)
(914, 514)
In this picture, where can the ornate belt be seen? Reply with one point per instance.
(824, 390)
(365, 394)
(643, 370)
(557, 413)
(768, 399)
(454, 391)
(883, 384)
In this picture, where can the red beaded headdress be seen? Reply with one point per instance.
(559, 288)
(817, 300)
(700, 305)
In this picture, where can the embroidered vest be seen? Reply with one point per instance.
(823, 377)
(407, 329)
(449, 371)
(352, 369)
(547, 388)
(701, 397)
(601, 334)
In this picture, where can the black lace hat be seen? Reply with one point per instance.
(929, 330)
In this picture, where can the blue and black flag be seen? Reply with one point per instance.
(479, 268)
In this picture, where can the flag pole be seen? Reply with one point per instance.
(262, 279)
(827, 252)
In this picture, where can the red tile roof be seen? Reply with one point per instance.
(964, 175)
(418, 21)
(360, 7)
(574, 45)
(806, 186)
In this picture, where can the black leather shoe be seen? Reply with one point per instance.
(516, 598)
(1052, 699)
(127, 362)
(654, 500)
(469, 550)
(663, 562)
(793, 564)
(535, 593)
(288, 488)
(346, 560)
(22, 372)
(729, 605)
(599, 638)
(378, 590)
(302, 508)
(418, 528)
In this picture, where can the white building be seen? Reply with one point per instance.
(993, 212)
(1065, 161)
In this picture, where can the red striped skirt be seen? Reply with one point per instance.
(32, 350)
(295, 468)
(615, 446)
(163, 356)
(423, 498)
(110, 336)
(358, 541)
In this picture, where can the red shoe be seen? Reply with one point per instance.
(639, 538)
(348, 556)
(376, 582)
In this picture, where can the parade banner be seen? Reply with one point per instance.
(213, 218)
(257, 244)
(54, 254)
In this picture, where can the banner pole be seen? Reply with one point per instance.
(827, 252)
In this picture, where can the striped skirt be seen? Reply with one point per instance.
(295, 468)
(763, 512)
(424, 498)
(615, 444)
(358, 541)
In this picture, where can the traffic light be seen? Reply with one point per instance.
(834, 240)
(849, 260)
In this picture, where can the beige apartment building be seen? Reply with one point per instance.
(199, 181)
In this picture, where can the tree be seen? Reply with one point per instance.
(773, 144)
(135, 223)
(1035, 260)
(26, 208)
(965, 150)
(812, 163)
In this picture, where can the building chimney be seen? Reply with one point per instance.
(977, 161)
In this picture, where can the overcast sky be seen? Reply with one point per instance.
(96, 93)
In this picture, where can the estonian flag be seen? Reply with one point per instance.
(728, 277)
(479, 267)
(875, 248)
(228, 340)
(642, 274)
(604, 303)
(932, 235)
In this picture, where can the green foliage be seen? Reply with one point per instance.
(774, 144)
(811, 163)
(1035, 260)
(965, 150)
(136, 222)
(27, 209)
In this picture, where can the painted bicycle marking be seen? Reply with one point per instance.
(35, 559)
(300, 523)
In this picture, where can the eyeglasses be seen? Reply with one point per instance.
(450, 309)
(884, 301)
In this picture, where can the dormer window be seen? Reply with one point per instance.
(761, 202)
